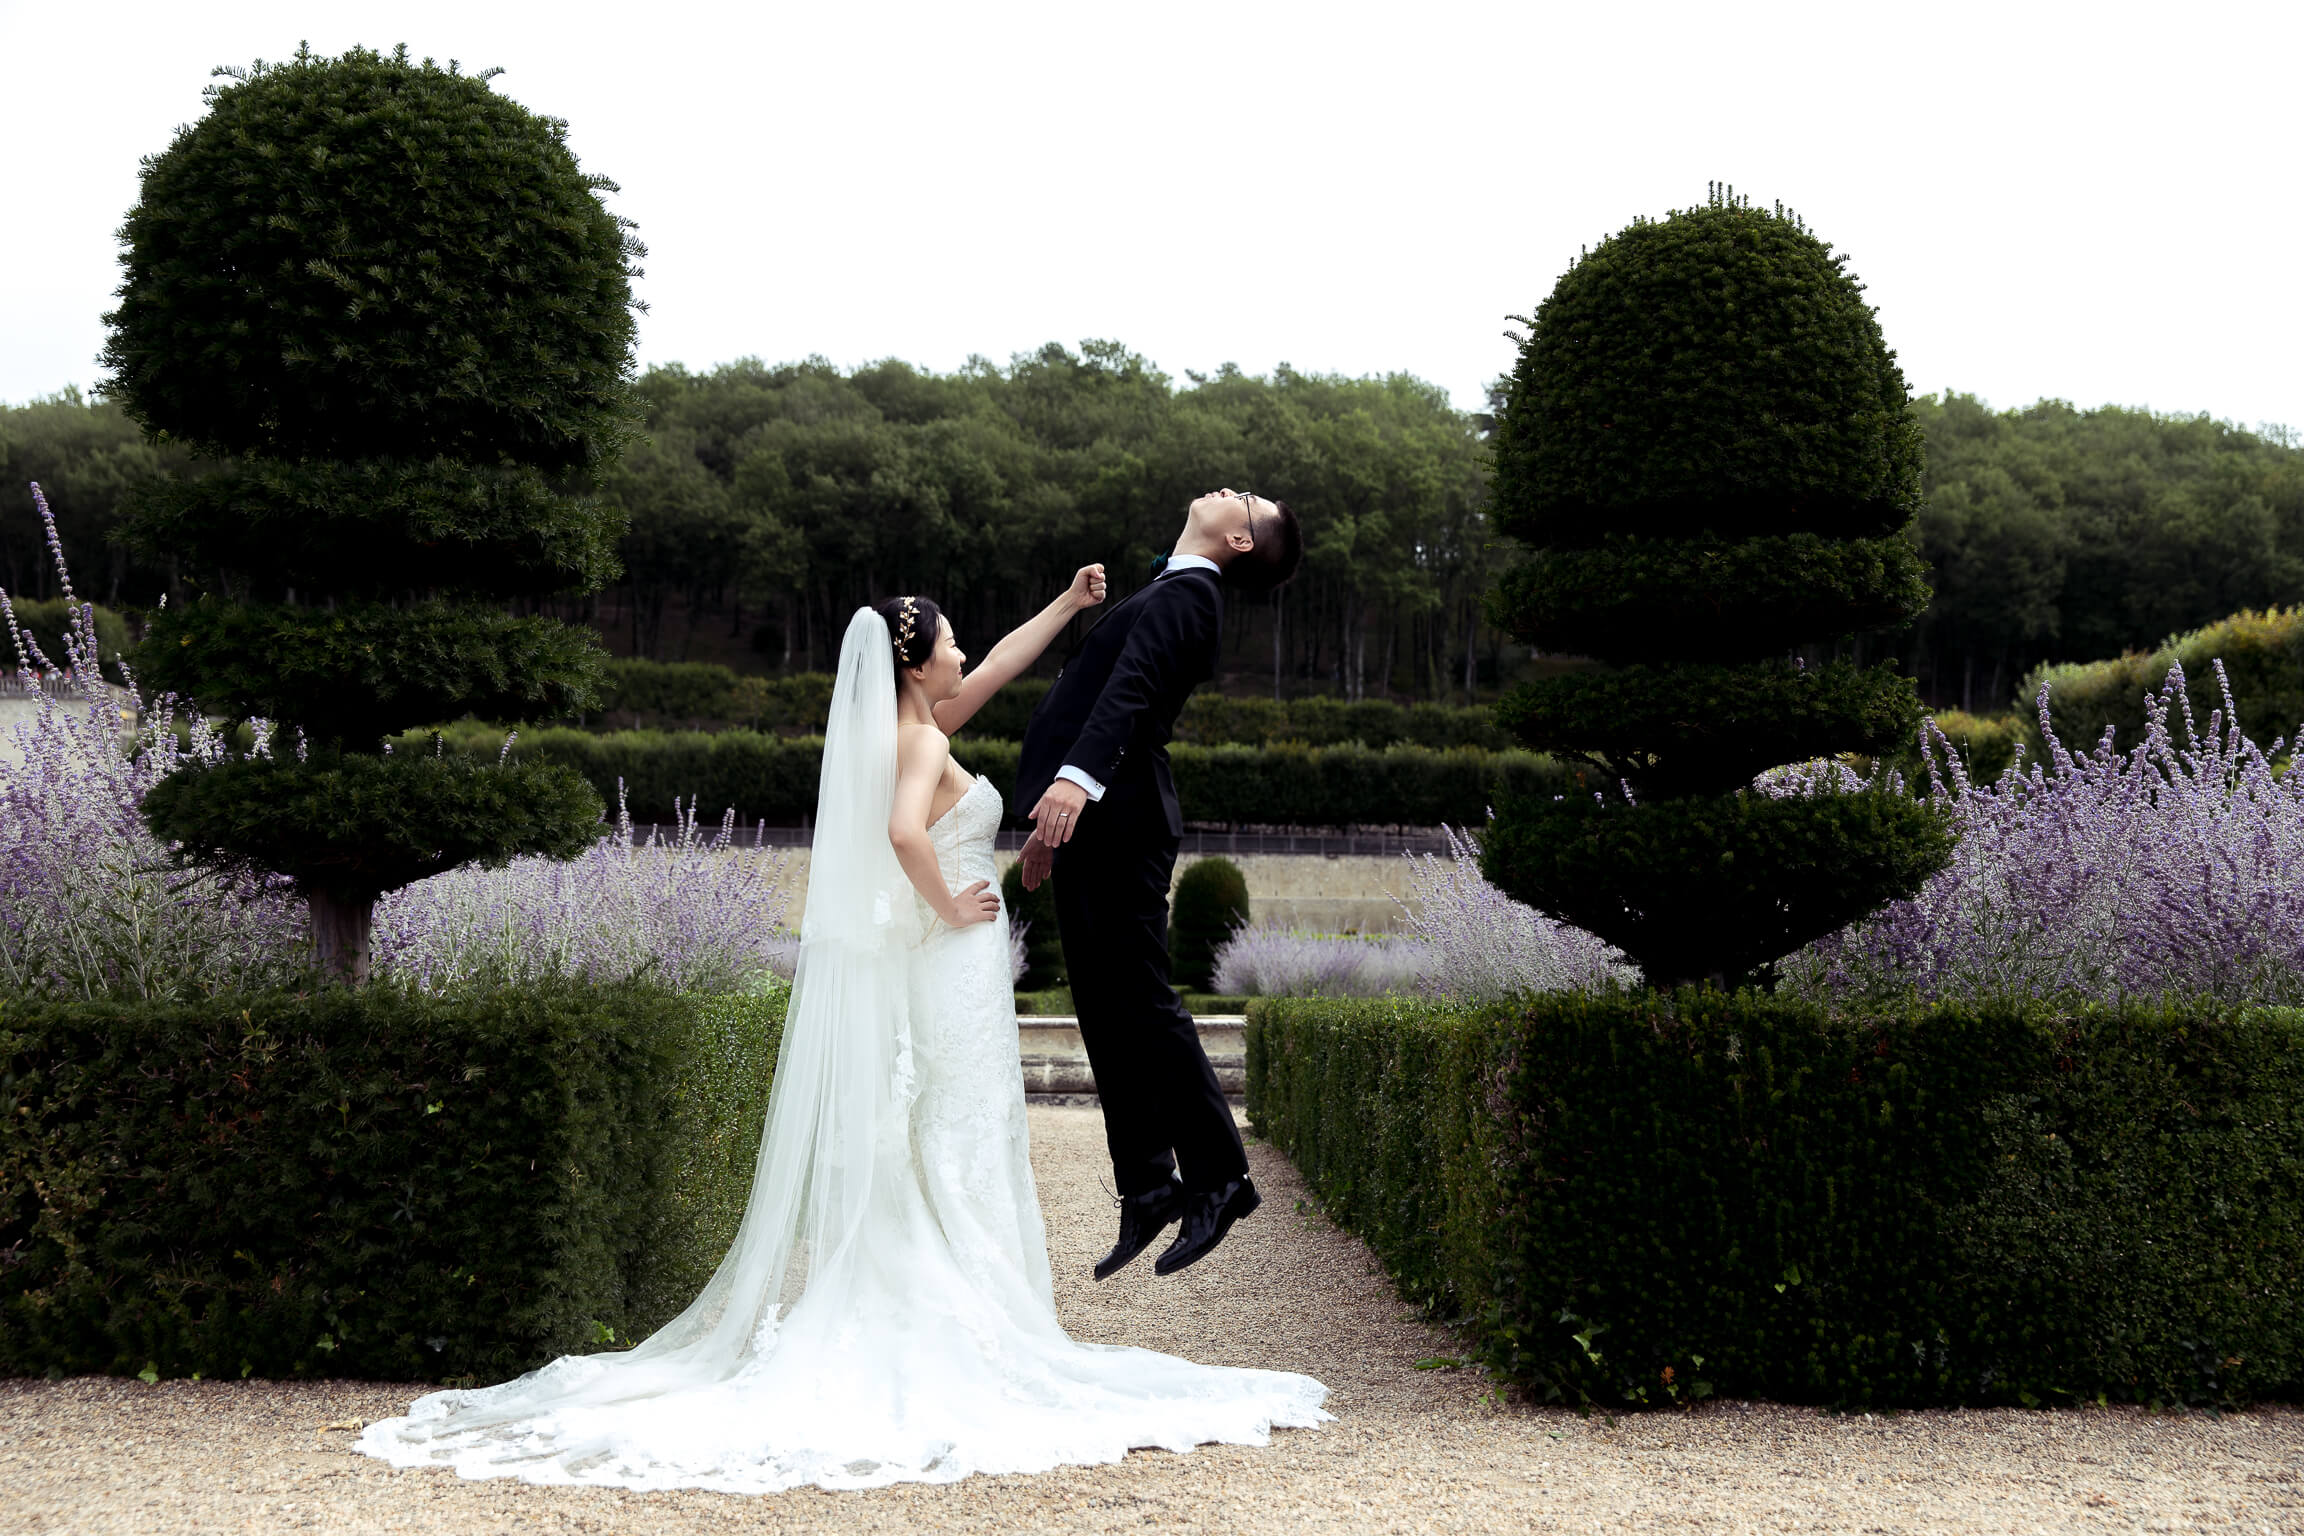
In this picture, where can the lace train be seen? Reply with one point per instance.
(922, 1346)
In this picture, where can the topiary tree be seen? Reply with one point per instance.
(391, 311)
(1706, 449)
(1043, 945)
(1211, 900)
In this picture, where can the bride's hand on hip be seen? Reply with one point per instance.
(1087, 589)
(977, 904)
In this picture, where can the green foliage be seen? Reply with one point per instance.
(1986, 746)
(1717, 370)
(360, 671)
(775, 778)
(2263, 657)
(780, 497)
(1211, 901)
(1709, 729)
(1043, 944)
(395, 299)
(45, 621)
(355, 826)
(369, 258)
(1715, 885)
(1660, 600)
(1706, 446)
(381, 527)
(370, 1184)
(2057, 534)
(1635, 1199)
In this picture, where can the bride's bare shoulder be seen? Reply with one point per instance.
(916, 741)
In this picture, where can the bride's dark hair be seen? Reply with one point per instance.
(912, 627)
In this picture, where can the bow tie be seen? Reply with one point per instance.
(1159, 564)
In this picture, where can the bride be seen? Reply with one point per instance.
(884, 1314)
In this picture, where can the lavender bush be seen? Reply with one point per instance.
(2173, 870)
(696, 912)
(90, 908)
(1484, 945)
(87, 908)
(1264, 960)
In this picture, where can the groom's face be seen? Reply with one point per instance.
(1226, 514)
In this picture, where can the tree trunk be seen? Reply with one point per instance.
(340, 932)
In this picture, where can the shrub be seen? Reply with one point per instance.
(2174, 869)
(2262, 661)
(367, 1183)
(774, 778)
(697, 913)
(1485, 945)
(1033, 913)
(1260, 960)
(1705, 445)
(43, 625)
(1211, 901)
(393, 308)
(1635, 1199)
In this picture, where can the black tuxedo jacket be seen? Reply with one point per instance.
(1113, 707)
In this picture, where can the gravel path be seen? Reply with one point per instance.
(1411, 1451)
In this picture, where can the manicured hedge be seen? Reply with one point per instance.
(1633, 1199)
(693, 694)
(2263, 656)
(367, 1183)
(774, 777)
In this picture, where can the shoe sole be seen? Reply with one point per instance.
(1105, 1268)
(1224, 1225)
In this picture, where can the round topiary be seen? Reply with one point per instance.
(393, 299)
(366, 257)
(1211, 901)
(1043, 944)
(1707, 447)
(1717, 369)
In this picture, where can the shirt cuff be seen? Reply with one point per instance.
(1095, 790)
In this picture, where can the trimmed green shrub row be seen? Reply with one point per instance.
(1636, 1199)
(2263, 656)
(691, 694)
(367, 1182)
(774, 778)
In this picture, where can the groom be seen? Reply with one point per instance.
(1095, 761)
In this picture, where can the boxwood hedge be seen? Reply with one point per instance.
(367, 1182)
(1287, 784)
(1635, 1199)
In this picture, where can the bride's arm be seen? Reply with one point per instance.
(1019, 649)
(920, 755)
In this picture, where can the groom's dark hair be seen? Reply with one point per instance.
(1279, 549)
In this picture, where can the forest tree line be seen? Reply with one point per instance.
(766, 502)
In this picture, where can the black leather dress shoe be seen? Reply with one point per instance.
(1207, 1217)
(1141, 1218)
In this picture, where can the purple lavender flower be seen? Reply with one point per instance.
(2174, 870)
(1485, 945)
(1262, 960)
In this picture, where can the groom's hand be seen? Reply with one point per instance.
(1058, 812)
(1038, 858)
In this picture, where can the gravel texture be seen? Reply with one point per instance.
(1412, 1450)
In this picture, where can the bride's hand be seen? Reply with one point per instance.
(977, 904)
(1087, 588)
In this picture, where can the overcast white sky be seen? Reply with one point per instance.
(2094, 201)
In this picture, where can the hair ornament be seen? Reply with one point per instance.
(904, 629)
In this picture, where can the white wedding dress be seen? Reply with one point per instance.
(885, 1314)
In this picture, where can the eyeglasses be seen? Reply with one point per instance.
(1249, 498)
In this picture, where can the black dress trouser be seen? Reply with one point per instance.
(1163, 1109)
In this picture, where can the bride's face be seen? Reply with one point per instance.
(939, 675)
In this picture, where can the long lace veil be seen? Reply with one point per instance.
(838, 1111)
